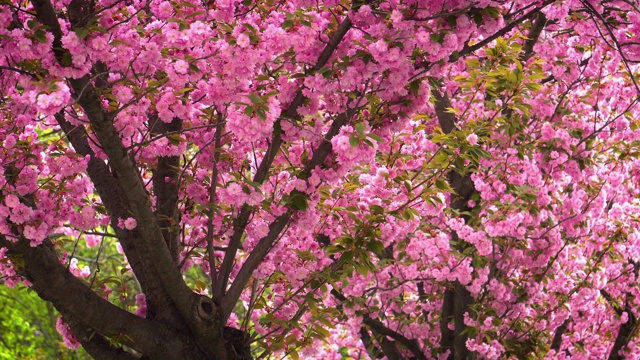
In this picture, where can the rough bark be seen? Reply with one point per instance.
(557, 337)
(199, 313)
(40, 265)
(457, 298)
(165, 188)
(159, 305)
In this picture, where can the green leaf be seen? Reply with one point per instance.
(184, 90)
(200, 284)
(414, 86)
(261, 114)
(40, 35)
(66, 59)
(376, 209)
(255, 98)
(452, 20)
(375, 246)
(407, 214)
(407, 186)
(294, 355)
(325, 71)
(533, 86)
(299, 200)
(441, 184)
(361, 128)
(322, 332)
(441, 158)
(492, 12)
(375, 137)
(477, 18)
(81, 33)
(361, 269)
(346, 256)
(354, 141)
(287, 24)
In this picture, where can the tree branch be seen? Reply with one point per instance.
(153, 244)
(626, 331)
(263, 169)
(159, 304)
(389, 348)
(457, 298)
(379, 328)
(95, 344)
(165, 188)
(557, 337)
(410, 344)
(53, 282)
(533, 36)
(200, 318)
(466, 50)
(264, 245)
(252, 262)
(213, 200)
(373, 351)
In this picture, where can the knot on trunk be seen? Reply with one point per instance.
(206, 309)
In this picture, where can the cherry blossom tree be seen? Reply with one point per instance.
(400, 179)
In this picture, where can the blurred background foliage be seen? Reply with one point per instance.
(28, 328)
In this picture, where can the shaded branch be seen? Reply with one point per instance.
(466, 50)
(255, 258)
(456, 298)
(446, 118)
(625, 334)
(533, 36)
(557, 337)
(626, 331)
(263, 170)
(213, 200)
(389, 348)
(165, 188)
(110, 192)
(383, 331)
(41, 266)
(152, 244)
(373, 351)
(264, 245)
(447, 335)
(95, 344)
(410, 344)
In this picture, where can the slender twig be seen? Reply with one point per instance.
(213, 199)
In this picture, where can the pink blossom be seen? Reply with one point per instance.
(472, 139)
(70, 340)
(243, 40)
(11, 201)
(181, 67)
(130, 223)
